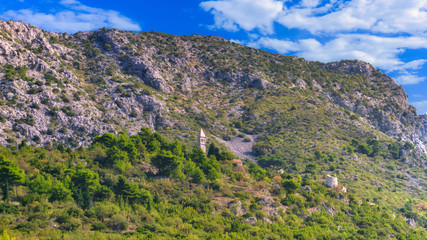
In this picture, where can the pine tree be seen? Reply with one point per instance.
(10, 173)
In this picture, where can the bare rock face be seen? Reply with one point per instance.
(237, 208)
(251, 220)
(265, 201)
(391, 114)
(352, 67)
(147, 73)
(301, 84)
(254, 80)
(330, 210)
(411, 222)
(422, 130)
(257, 81)
(67, 88)
(48, 102)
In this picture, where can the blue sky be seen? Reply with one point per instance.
(390, 34)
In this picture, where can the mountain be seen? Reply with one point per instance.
(285, 113)
(68, 87)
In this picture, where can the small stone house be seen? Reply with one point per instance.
(331, 181)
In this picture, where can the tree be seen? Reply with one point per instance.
(131, 192)
(10, 173)
(198, 156)
(85, 182)
(290, 185)
(213, 150)
(198, 176)
(115, 155)
(166, 162)
(219, 155)
(177, 149)
(311, 168)
(210, 166)
(256, 171)
(107, 139)
(59, 192)
(40, 184)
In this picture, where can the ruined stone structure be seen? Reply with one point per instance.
(331, 181)
(202, 140)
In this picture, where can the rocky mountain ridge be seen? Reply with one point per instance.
(58, 87)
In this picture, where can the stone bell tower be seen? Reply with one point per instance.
(202, 141)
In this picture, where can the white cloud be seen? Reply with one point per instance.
(418, 96)
(315, 20)
(245, 14)
(315, 16)
(382, 52)
(310, 3)
(415, 64)
(77, 17)
(421, 106)
(281, 46)
(65, 2)
(409, 79)
(382, 16)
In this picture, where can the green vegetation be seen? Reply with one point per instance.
(144, 186)
(52, 79)
(12, 72)
(6, 236)
(9, 175)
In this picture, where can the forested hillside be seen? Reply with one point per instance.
(146, 187)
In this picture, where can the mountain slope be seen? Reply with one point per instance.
(345, 118)
(145, 77)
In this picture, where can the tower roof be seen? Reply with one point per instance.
(202, 134)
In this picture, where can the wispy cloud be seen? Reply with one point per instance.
(408, 79)
(281, 46)
(75, 17)
(382, 16)
(245, 14)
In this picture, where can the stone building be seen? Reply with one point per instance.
(202, 140)
(331, 181)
